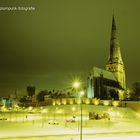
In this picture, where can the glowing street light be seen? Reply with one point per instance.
(76, 84)
(82, 93)
(30, 108)
(73, 108)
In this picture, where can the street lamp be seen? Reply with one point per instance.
(76, 85)
(81, 94)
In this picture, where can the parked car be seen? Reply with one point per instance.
(70, 120)
(3, 118)
(53, 122)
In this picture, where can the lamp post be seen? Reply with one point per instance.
(81, 114)
(76, 85)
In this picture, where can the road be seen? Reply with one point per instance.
(125, 136)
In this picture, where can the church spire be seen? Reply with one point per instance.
(115, 63)
(113, 23)
(115, 53)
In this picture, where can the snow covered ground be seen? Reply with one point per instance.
(34, 123)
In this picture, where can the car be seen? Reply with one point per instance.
(53, 122)
(70, 120)
(3, 118)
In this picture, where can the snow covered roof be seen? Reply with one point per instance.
(97, 72)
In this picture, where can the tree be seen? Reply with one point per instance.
(24, 99)
(40, 96)
(31, 90)
(135, 91)
(113, 94)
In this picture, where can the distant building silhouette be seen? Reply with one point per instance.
(31, 90)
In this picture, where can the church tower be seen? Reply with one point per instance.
(115, 63)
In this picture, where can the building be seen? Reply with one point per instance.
(109, 83)
(31, 90)
(115, 63)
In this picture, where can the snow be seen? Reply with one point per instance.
(35, 123)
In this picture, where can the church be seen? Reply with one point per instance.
(109, 84)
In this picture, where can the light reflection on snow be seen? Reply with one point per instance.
(34, 122)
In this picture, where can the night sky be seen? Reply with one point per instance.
(63, 39)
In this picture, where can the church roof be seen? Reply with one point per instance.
(97, 72)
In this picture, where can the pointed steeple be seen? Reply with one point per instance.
(115, 53)
(113, 23)
(115, 63)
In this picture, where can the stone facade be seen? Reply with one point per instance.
(110, 83)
